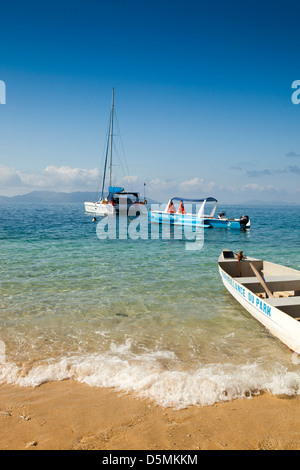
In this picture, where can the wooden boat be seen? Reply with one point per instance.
(269, 292)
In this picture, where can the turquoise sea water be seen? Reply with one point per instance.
(146, 316)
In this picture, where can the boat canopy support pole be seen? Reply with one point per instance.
(214, 209)
(166, 209)
(201, 210)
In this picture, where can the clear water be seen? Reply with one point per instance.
(145, 316)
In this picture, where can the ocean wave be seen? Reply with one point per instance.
(158, 375)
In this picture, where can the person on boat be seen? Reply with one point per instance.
(171, 208)
(181, 209)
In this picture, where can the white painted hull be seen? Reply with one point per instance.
(97, 208)
(278, 323)
(100, 209)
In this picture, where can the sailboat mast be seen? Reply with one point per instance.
(111, 136)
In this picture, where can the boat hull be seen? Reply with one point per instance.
(100, 209)
(278, 323)
(233, 224)
(97, 208)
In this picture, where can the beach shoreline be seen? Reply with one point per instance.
(69, 415)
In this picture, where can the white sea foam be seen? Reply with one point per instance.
(147, 376)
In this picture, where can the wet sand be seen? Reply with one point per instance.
(69, 415)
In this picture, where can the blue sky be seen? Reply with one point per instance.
(202, 90)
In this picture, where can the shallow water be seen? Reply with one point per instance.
(146, 316)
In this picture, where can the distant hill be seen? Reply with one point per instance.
(49, 197)
(258, 202)
(52, 197)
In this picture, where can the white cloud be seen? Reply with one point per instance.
(163, 189)
(131, 179)
(161, 186)
(9, 176)
(199, 185)
(260, 188)
(193, 183)
(57, 178)
(66, 179)
(61, 178)
(71, 177)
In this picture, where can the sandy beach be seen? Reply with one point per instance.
(69, 415)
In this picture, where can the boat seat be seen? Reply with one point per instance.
(284, 301)
(274, 283)
(289, 305)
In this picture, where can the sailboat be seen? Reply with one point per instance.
(117, 198)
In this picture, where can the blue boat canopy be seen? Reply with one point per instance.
(207, 199)
(115, 189)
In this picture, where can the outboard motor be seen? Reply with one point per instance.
(244, 219)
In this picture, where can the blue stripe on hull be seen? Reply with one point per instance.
(177, 219)
(223, 223)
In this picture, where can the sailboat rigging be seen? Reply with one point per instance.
(108, 205)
